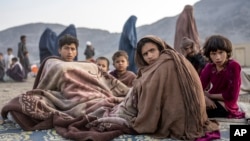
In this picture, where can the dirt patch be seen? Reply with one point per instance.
(9, 90)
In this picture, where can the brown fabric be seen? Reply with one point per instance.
(168, 99)
(162, 44)
(82, 103)
(67, 92)
(186, 27)
(127, 78)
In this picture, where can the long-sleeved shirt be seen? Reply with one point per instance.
(226, 82)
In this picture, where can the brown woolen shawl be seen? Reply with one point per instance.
(186, 27)
(169, 96)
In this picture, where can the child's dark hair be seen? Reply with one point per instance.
(14, 59)
(9, 49)
(22, 37)
(103, 58)
(68, 39)
(217, 42)
(120, 53)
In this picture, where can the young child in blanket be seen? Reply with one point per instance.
(121, 63)
(103, 63)
(223, 76)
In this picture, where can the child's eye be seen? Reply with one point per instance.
(220, 52)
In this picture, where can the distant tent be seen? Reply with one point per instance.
(128, 41)
(186, 27)
(69, 30)
(47, 43)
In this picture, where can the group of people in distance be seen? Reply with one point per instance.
(15, 68)
(171, 96)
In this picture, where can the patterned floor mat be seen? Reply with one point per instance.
(10, 131)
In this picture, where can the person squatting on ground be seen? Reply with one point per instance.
(222, 78)
(15, 72)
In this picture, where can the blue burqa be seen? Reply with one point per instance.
(47, 43)
(128, 41)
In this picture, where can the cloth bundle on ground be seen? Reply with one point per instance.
(83, 103)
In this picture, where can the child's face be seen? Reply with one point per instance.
(68, 52)
(218, 57)
(9, 52)
(103, 64)
(121, 64)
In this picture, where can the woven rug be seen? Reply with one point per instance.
(10, 131)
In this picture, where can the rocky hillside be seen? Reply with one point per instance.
(227, 17)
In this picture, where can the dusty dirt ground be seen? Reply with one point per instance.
(9, 90)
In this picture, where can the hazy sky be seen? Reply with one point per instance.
(101, 14)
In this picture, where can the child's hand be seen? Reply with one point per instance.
(209, 103)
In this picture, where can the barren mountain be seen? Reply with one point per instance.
(230, 18)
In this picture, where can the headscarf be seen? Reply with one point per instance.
(152, 38)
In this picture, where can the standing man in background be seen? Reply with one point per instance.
(22, 49)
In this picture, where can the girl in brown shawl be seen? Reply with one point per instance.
(167, 95)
